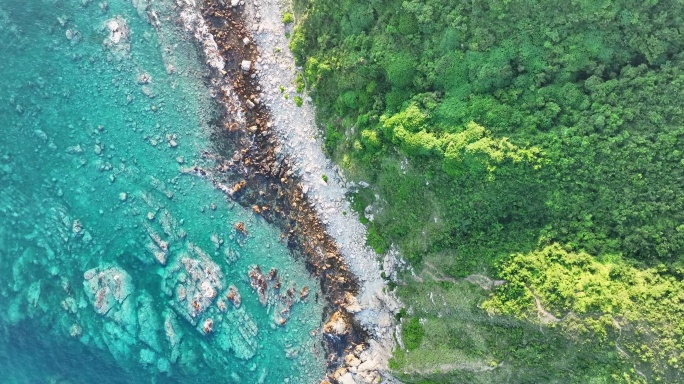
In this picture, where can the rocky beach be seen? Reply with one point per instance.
(286, 177)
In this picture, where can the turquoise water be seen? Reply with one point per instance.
(115, 264)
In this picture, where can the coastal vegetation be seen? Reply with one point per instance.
(531, 142)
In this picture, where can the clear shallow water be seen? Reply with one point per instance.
(92, 198)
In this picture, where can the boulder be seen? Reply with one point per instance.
(339, 324)
(346, 379)
(350, 303)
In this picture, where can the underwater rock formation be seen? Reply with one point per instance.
(118, 37)
(272, 295)
(108, 289)
(196, 282)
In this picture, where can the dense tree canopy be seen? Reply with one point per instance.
(493, 128)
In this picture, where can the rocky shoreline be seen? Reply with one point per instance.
(274, 172)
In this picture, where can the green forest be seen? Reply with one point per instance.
(539, 143)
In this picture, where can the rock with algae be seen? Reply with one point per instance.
(107, 290)
(271, 293)
(196, 280)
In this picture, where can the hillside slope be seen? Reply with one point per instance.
(532, 142)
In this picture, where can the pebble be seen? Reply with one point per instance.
(246, 65)
(123, 196)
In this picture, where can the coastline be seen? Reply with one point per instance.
(301, 142)
(280, 172)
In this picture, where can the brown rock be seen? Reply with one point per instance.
(339, 324)
(351, 361)
(240, 227)
(350, 303)
(208, 326)
(304, 293)
(339, 373)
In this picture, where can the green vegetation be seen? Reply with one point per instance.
(299, 81)
(640, 309)
(298, 101)
(412, 334)
(463, 344)
(288, 18)
(494, 130)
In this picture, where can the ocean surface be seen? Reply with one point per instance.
(116, 266)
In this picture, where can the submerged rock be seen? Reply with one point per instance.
(173, 333)
(196, 280)
(118, 38)
(107, 289)
(269, 290)
(234, 296)
(237, 333)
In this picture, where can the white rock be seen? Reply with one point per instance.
(347, 379)
(369, 365)
(246, 65)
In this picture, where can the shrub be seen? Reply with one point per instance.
(288, 18)
(299, 82)
(375, 241)
(412, 333)
(332, 138)
(298, 100)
